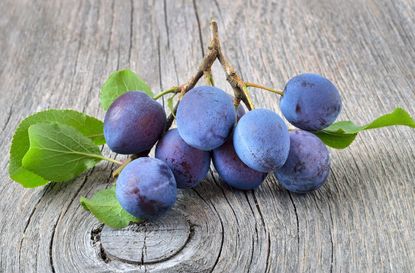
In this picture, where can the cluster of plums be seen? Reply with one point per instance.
(244, 147)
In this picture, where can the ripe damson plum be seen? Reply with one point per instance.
(233, 171)
(146, 188)
(189, 165)
(261, 140)
(308, 163)
(205, 117)
(310, 102)
(133, 123)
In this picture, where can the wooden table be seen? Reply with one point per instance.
(56, 54)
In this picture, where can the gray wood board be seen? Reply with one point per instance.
(56, 54)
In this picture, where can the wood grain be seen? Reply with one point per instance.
(56, 54)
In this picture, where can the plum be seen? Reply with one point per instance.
(310, 102)
(308, 163)
(133, 123)
(146, 188)
(233, 171)
(261, 140)
(205, 117)
(189, 165)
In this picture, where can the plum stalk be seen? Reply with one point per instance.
(214, 53)
(240, 88)
(255, 85)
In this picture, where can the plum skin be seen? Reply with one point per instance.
(205, 117)
(133, 123)
(308, 163)
(310, 102)
(146, 188)
(189, 165)
(233, 171)
(261, 140)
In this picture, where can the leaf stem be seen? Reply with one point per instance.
(174, 89)
(255, 85)
(111, 160)
(247, 96)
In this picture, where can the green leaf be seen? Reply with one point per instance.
(120, 82)
(341, 134)
(337, 141)
(88, 126)
(106, 208)
(59, 152)
(398, 117)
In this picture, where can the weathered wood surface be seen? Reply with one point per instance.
(56, 54)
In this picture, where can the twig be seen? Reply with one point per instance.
(238, 85)
(214, 52)
(209, 77)
(206, 65)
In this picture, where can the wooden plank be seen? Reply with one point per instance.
(56, 54)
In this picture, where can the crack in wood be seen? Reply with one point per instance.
(222, 231)
(229, 203)
(108, 44)
(28, 221)
(252, 252)
(218, 8)
(297, 223)
(159, 68)
(268, 253)
(131, 30)
(199, 28)
(7, 119)
(96, 242)
(331, 238)
(256, 228)
(259, 210)
(52, 237)
(81, 37)
(166, 25)
(226, 198)
(144, 245)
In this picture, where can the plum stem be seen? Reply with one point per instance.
(128, 160)
(174, 89)
(209, 77)
(255, 85)
(120, 168)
